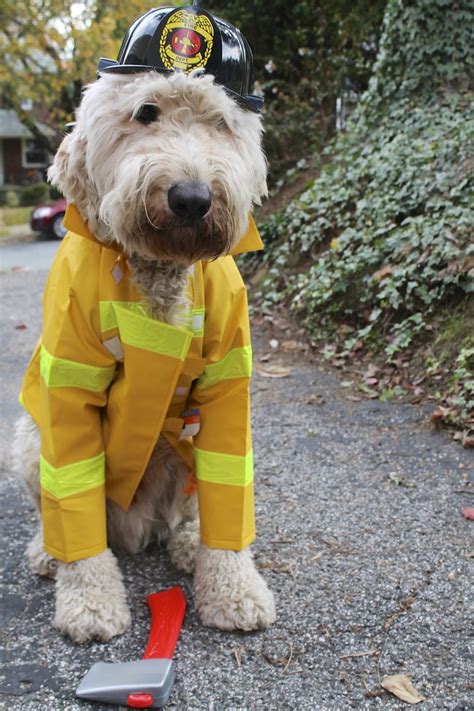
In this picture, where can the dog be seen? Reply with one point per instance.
(162, 172)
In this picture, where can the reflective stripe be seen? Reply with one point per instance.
(61, 373)
(224, 468)
(139, 330)
(181, 391)
(108, 318)
(114, 346)
(117, 273)
(197, 321)
(236, 364)
(151, 335)
(73, 478)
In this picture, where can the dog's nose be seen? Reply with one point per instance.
(189, 199)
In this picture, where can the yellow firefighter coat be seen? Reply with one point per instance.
(106, 380)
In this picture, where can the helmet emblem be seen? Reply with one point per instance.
(186, 41)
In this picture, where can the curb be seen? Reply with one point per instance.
(20, 234)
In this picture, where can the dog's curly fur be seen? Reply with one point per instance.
(118, 173)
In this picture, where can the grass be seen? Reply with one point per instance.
(15, 216)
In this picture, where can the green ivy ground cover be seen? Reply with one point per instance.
(379, 251)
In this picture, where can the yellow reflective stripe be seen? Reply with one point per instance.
(152, 335)
(139, 330)
(73, 478)
(61, 373)
(108, 319)
(236, 364)
(224, 468)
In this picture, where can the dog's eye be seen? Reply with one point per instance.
(222, 125)
(146, 114)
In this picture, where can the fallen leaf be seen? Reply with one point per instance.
(438, 415)
(400, 481)
(468, 263)
(400, 686)
(382, 273)
(367, 391)
(468, 512)
(21, 327)
(468, 439)
(273, 343)
(294, 346)
(258, 276)
(265, 358)
(315, 400)
(272, 371)
(281, 323)
(371, 371)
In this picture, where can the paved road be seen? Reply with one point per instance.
(371, 577)
(28, 255)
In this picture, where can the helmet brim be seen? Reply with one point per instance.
(251, 102)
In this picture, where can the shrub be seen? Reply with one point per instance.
(11, 198)
(35, 194)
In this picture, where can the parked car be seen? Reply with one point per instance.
(48, 219)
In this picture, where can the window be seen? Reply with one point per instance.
(34, 156)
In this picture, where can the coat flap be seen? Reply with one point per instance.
(250, 242)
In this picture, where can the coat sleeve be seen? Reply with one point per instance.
(223, 446)
(75, 370)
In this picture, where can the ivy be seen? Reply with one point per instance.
(383, 240)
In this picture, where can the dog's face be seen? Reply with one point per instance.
(167, 167)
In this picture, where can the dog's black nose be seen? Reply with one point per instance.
(191, 199)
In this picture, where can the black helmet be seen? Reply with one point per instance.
(168, 39)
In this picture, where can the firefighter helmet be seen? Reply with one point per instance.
(168, 39)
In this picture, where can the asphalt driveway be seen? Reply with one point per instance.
(360, 536)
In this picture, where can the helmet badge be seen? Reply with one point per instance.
(186, 40)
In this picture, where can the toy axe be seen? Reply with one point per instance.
(145, 683)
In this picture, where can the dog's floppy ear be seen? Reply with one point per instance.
(68, 172)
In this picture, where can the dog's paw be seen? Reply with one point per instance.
(40, 562)
(91, 601)
(183, 546)
(230, 593)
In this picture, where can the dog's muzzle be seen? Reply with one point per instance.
(190, 200)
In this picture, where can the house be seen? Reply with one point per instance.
(22, 159)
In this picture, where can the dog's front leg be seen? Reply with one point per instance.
(230, 592)
(91, 600)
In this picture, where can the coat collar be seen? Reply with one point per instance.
(250, 242)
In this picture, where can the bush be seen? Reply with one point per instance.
(35, 194)
(54, 193)
(11, 198)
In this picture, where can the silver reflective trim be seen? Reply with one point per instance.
(114, 346)
(181, 391)
(117, 274)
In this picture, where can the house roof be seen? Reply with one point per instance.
(11, 126)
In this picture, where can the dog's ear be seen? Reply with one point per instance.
(68, 172)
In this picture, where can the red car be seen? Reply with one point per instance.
(49, 219)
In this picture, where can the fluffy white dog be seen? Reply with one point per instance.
(136, 135)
